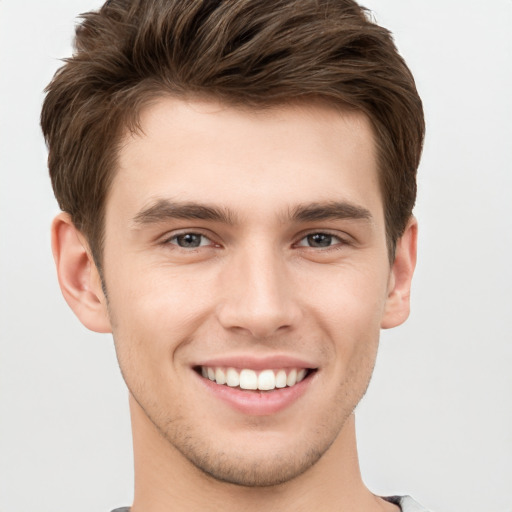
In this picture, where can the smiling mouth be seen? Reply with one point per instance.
(251, 380)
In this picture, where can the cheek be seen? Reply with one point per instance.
(348, 309)
(154, 312)
(155, 296)
(348, 300)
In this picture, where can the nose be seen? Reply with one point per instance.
(258, 296)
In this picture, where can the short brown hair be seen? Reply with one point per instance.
(254, 53)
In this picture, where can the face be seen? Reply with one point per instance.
(247, 275)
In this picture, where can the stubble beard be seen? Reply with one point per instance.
(268, 470)
(238, 468)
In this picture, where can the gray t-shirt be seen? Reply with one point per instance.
(406, 504)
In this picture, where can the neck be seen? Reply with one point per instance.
(166, 481)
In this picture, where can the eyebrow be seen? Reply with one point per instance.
(165, 209)
(332, 210)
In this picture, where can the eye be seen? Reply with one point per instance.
(319, 240)
(190, 240)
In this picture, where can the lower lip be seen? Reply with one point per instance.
(257, 403)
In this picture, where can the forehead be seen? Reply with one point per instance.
(267, 160)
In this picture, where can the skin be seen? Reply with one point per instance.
(256, 286)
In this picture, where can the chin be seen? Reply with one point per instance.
(257, 457)
(245, 471)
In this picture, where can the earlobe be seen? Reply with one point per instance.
(78, 276)
(399, 290)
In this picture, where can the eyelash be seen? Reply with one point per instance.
(170, 240)
(336, 246)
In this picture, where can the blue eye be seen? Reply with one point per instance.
(190, 240)
(319, 240)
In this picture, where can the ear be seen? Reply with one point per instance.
(78, 276)
(397, 306)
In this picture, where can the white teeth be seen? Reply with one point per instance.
(232, 378)
(291, 380)
(220, 376)
(301, 374)
(265, 380)
(281, 379)
(248, 379)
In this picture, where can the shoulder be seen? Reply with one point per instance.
(406, 503)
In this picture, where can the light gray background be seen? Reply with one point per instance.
(437, 421)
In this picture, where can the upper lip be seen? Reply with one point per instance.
(257, 363)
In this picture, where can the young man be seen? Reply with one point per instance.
(237, 181)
